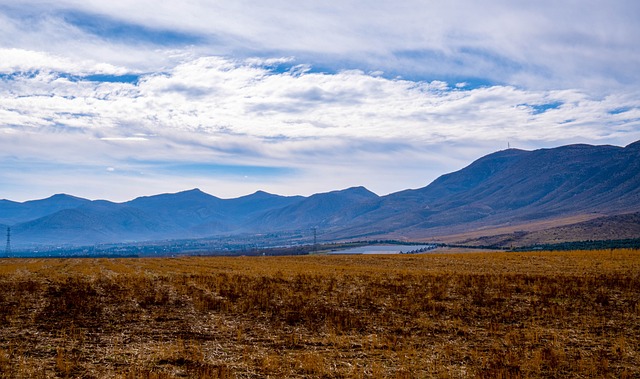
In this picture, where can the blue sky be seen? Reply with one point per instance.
(121, 99)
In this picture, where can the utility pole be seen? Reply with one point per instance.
(7, 250)
(315, 240)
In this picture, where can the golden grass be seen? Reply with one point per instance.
(485, 315)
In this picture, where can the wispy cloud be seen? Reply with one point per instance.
(573, 43)
(216, 96)
(313, 97)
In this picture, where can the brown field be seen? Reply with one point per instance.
(486, 315)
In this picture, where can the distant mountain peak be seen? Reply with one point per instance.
(633, 146)
(195, 192)
(360, 190)
(63, 196)
(507, 187)
(192, 191)
(258, 195)
(261, 193)
(60, 198)
(59, 195)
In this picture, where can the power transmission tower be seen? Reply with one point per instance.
(7, 250)
(315, 240)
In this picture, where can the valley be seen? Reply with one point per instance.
(511, 198)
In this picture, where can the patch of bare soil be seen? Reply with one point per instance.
(486, 315)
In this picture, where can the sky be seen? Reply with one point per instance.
(119, 99)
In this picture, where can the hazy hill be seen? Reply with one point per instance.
(238, 215)
(182, 211)
(324, 210)
(514, 186)
(89, 225)
(617, 227)
(245, 207)
(506, 188)
(188, 214)
(12, 212)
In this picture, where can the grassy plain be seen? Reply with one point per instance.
(485, 315)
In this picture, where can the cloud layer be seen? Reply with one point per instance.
(237, 97)
(542, 44)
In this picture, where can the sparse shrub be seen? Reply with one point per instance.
(72, 301)
(533, 315)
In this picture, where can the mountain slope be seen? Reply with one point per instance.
(507, 188)
(326, 210)
(236, 214)
(94, 223)
(182, 210)
(514, 186)
(617, 227)
(187, 214)
(12, 212)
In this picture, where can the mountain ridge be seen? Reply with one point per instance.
(507, 187)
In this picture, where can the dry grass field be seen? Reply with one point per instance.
(485, 315)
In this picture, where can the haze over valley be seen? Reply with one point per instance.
(509, 190)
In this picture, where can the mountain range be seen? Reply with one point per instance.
(507, 189)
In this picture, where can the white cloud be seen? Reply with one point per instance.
(239, 112)
(124, 139)
(544, 44)
(214, 95)
(25, 61)
(316, 87)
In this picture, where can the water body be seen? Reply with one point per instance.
(386, 249)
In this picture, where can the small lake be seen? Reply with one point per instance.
(386, 249)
